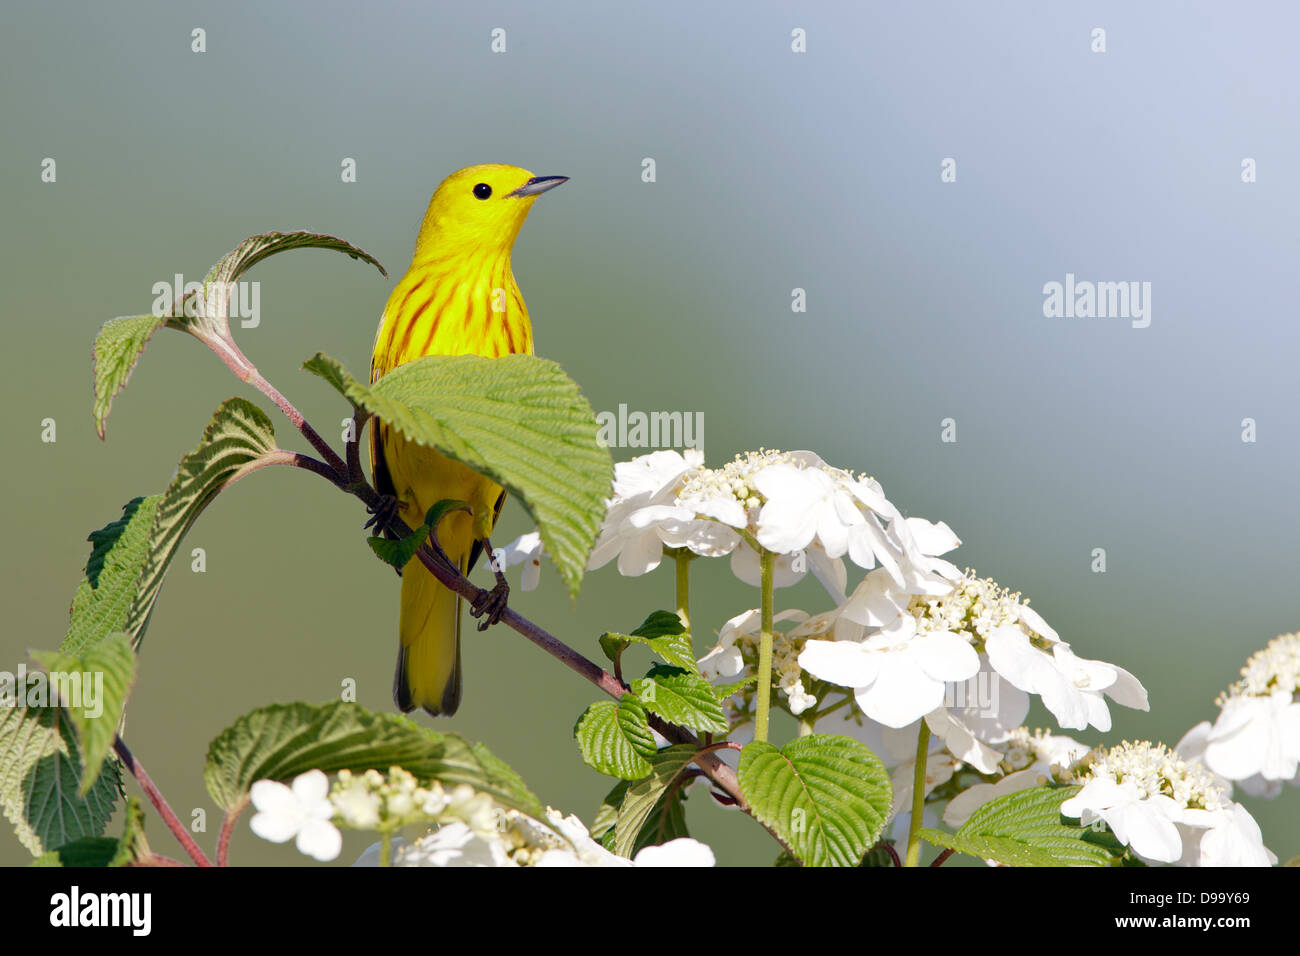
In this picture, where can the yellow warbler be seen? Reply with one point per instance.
(458, 297)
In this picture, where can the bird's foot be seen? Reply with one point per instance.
(491, 603)
(383, 512)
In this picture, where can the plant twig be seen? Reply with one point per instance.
(160, 803)
(228, 829)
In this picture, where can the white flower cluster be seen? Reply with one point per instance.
(519, 840)
(1165, 808)
(371, 801)
(471, 830)
(310, 812)
(923, 643)
(1255, 741)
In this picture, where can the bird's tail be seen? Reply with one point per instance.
(428, 661)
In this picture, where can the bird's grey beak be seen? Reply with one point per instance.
(537, 185)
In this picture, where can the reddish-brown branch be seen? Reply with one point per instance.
(160, 803)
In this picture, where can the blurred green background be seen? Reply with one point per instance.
(775, 170)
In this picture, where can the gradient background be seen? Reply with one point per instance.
(775, 170)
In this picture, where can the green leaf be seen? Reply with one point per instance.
(40, 774)
(723, 691)
(117, 556)
(87, 852)
(283, 740)
(100, 852)
(682, 698)
(131, 846)
(121, 341)
(615, 738)
(400, 552)
(663, 633)
(1026, 828)
(518, 419)
(238, 435)
(210, 323)
(117, 349)
(93, 687)
(826, 796)
(643, 796)
(129, 557)
(667, 819)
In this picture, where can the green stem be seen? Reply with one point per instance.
(913, 857)
(386, 848)
(806, 725)
(767, 563)
(684, 587)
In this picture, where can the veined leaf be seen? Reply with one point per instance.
(1026, 828)
(826, 796)
(663, 633)
(518, 419)
(238, 435)
(121, 341)
(281, 741)
(615, 738)
(39, 778)
(682, 698)
(399, 552)
(117, 556)
(130, 556)
(644, 795)
(210, 321)
(87, 852)
(127, 850)
(117, 349)
(94, 687)
(666, 821)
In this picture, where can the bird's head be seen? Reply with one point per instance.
(480, 208)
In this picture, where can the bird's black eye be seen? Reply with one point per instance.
(482, 190)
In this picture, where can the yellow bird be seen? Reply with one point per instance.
(459, 297)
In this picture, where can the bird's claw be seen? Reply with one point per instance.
(491, 603)
(383, 512)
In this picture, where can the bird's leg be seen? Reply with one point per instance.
(492, 603)
(383, 512)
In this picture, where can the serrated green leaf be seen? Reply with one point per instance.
(660, 624)
(238, 435)
(93, 687)
(117, 349)
(682, 698)
(210, 323)
(643, 796)
(615, 738)
(723, 691)
(1026, 828)
(667, 820)
(607, 813)
(283, 740)
(518, 419)
(399, 552)
(121, 341)
(87, 852)
(132, 847)
(130, 556)
(663, 633)
(117, 556)
(826, 796)
(39, 778)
